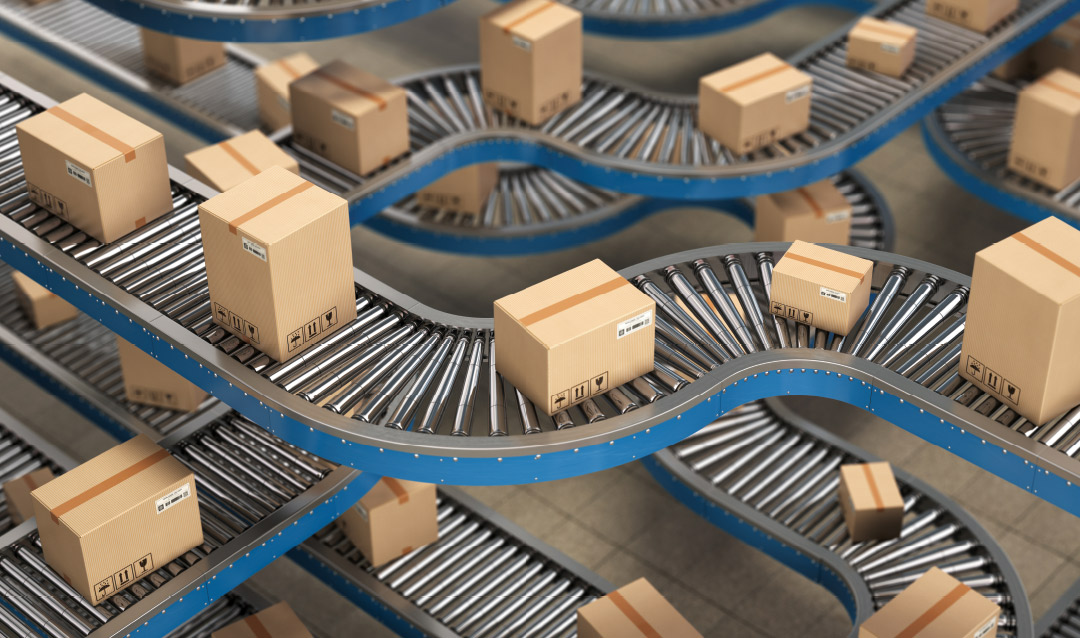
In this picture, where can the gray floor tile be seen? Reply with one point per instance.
(994, 496)
(1034, 563)
(1063, 577)
(579, 542)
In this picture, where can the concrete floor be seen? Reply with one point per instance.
(618, 522)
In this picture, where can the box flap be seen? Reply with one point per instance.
(573, 303)
(350, 89)
(883, 30)
(279, 73)
(532, 19)
(110, 484)
(1059, 88)
(272, 205)
(391, 490)
(239, 158)
(825, 266)
(1045, 257)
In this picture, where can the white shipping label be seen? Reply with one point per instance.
(986, 629)
(835, 295)
(360, 509)
(797, 94)
(283, 102)
(172, 498)
(342, 119)
(80, 174)
(633, 324)
(521, 43)
(837, 216)
(889, 48)
(254, 248)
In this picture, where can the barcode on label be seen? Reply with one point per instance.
(172, 498)
(797, 94)
(254, 248)
(986, 629)
(521, 43)
(835, 295)
(837, 216)
(342, 119)
(78, 173)
(633, 324)
(889, 48)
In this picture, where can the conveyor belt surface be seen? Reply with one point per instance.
(763, 467)
(407, 390)
(969, 137)
(1062, 620)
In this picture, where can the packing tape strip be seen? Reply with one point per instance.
(757, 78)
(884, 29)
(288, 68)
(826, 266)
(878, 503)
(537, 11)
(574, 300)
(106, 485)
(936, 610)
(94, 132)
(1057, 87)
(257, 627)
(818, 211)
(240, 159)
(633, 616)
(398, 489)
(352, 88)
(30, 482)
(267, 205)
(1046, 252)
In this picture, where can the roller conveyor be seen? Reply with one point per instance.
(770, 477)
(23, 451)
(1062, 620)
(969, 137)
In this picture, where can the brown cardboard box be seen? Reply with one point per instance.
(977, 15)
(20, 505)
(574, 336)
(465, 190)
(1020, 341)
(392, 519)
(1046, 133)
(279, 262)
(43, 307)
(531, 58)
(151, 382)
(1020, 65)
(180, 60)
(1058, 50)
(272, 88)
(871, 501)
(818, 213)
(633, 610)
(820, 287)
(277, 621)
(883, 46)
(95, 167)
(754, 103)
(934, 605)
(228, 163)
(114, 519)
(350, 117)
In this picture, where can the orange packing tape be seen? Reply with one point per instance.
(398, 489)
(1057, 87)
(267, 205)
(826, 266)
(878, 503)
(885, 30)
(818, 212)
(352, 88)
(633, 616)
(1046, 252)
(930, 615)
(106, 485)
(94, 132)
(26, 478)
(513, 23)
(257, 627)
(574, 300)
(285, 66)
(240, 159)
(755, 78)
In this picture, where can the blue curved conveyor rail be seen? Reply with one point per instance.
(532, 210)
(969, 138)
(1062, 620)
(409, 391)
(770, 477)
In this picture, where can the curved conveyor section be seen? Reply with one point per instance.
(770, 478)
(533, 209)
(1062, 620)
(969, 137)
(408, 391)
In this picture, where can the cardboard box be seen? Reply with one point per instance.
(1046, 133)
(20, 505)
(871, 501)
(818, 213)
(392, 520)
(95, 167)
(277, 621)
(272, 88)
(43, 307)
(754, 103)
(350, 117)
(977, 15)
(228, 163)
(1020, 341)
(180, 60)
(636, 609)
(531, 58)
(934, 605)
(1019, 66)
(882, 46)
(574, 336)
(820, 287)
(1058, 50)
(466, 190)
(113, 520)
(151, 382)
(279, 262)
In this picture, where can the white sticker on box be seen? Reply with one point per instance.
(889, 48)
(797, 94)
(986, 629)
(172, 498)
(254, 248)
(283, 102)
(341, 119)
(362, 511)
(837, 216)
(835, 295)
(633, 324)
(521, 43)
(80, 174)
